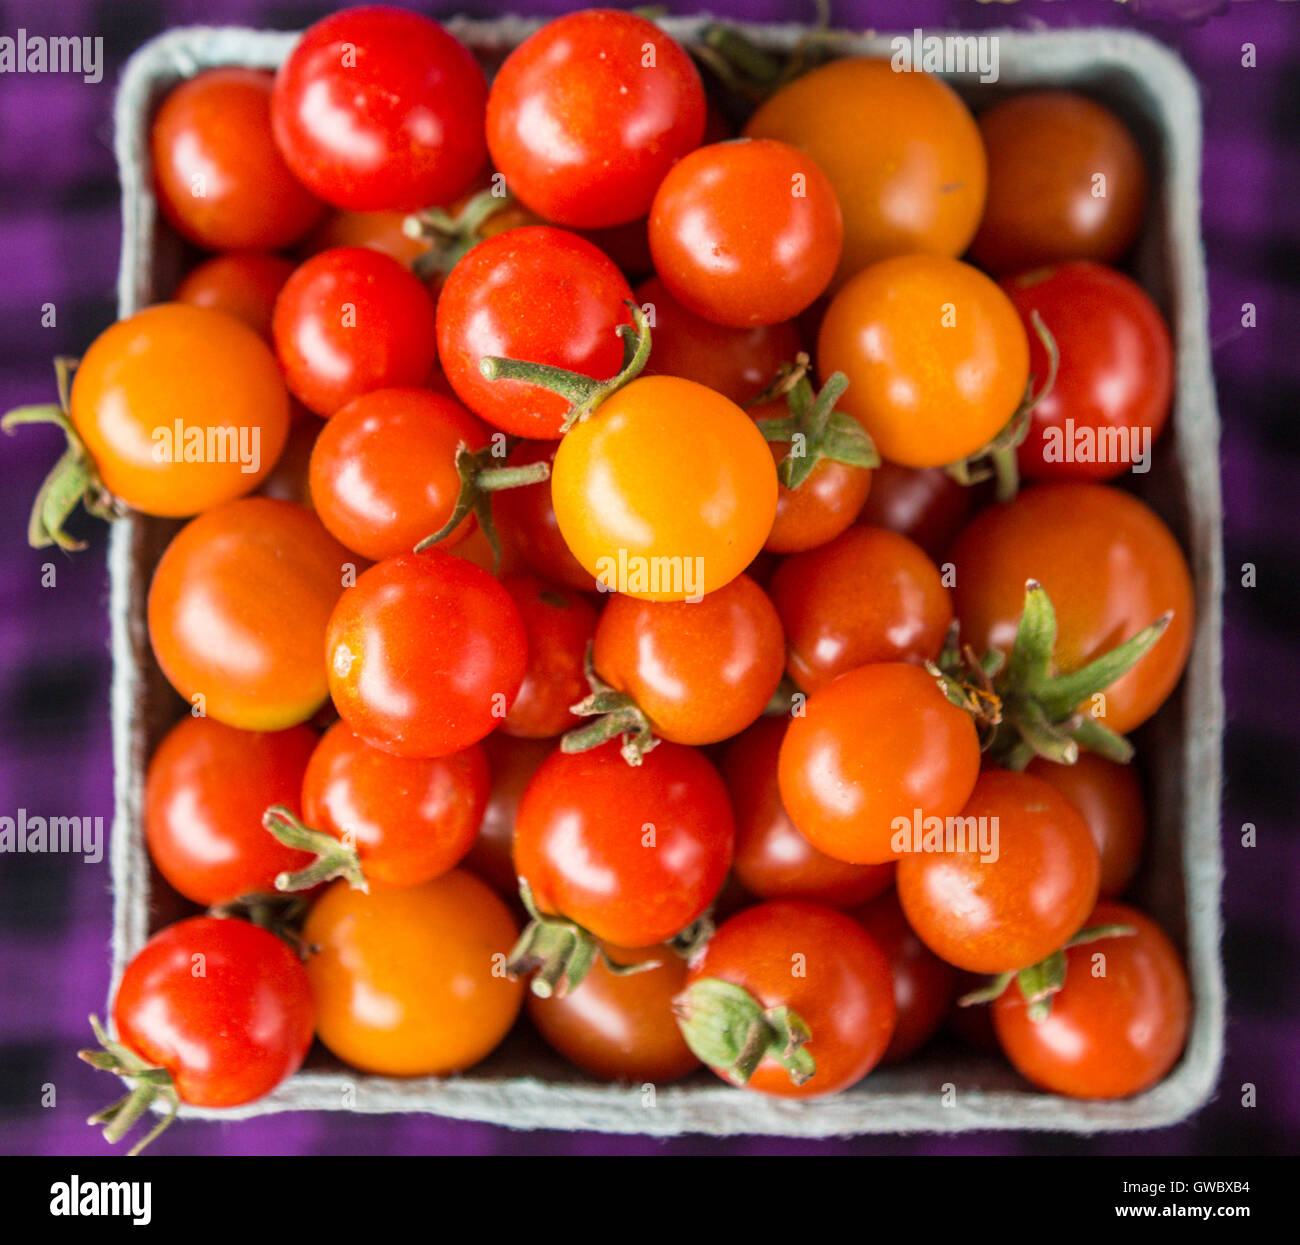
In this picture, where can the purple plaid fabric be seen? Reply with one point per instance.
(59, 227)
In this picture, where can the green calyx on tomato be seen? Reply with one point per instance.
(1022, 706)
(729, 1029)
(615, 713)
(1039, 982)
(814, 429)
(146, 1083)
(334, 857)
(747, 70)
(449, 237)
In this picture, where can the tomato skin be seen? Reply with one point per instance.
(205, 792)
(1109, 798)
(579, 841)
(1110, 567)
(383, 471)
(243, 284)
(626, 494)
(700, 670)
(1001, 915)
(512, 762)
(1046, 150)
(773, 860)
(227, 1036)
(1107, 1036)
(924, 986)
(559, 625)
(876, 744)
(220, 179)
(381, 231)
(535, 294)
(380, 109)
(733, 242)
(1116, 366)
(238, 607)
(411, 819)
(738, 363)
(845, 995)
(583, 129)
(832, 625)
(620, 1028)
(925, 504)
(404, 978)
(935, 354)
(174, 362)
(900, 149)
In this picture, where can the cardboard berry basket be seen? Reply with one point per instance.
(947, 1088)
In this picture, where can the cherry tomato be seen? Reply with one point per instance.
(243, 284)
(377, 108)
(1115, 377)
(1110, 567)
(181, 408)
(425, 654)
(410, 981)
(409, 818)
(220, 180)
(666, 492)
(349, 321)
(925, 504)
(559, 625)
(1110, 1034)
(900, 149)
(620, 1028)
(539, 295)
(868, 596)
(875, 747)
(238, 607)
(1020, 888)
(773, 860)
(383, 472)
(924, 986)
(842, 990)
(1109, 798)
(936, 357)
(228, 1034)
(381, 231)
(700, 670)
(1066, 181)
(746, 232)
(204, 795)
(512, 763)
(634, 854)
(587, 115)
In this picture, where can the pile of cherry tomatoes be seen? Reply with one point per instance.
(612, 599)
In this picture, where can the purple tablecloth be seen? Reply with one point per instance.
(59, 245)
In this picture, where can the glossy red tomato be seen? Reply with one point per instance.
(243, 284)
(380, 108)
(220, 179)
(924, 986)
(1017, 885)
(872, 750)
(539, 295)
(559, 625)
(222, 1005)
(1118, 1024)
(773, 860)
(512, 763)
(746, 232)
(925, 504)
(350, 321)
(821, 965)
(867, 596)
(587, 115)
(634, 854)
(383, 472)
(425, 654)
(1110, 399)
(205, 792)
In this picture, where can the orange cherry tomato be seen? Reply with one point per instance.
(411, 981)
(243, 284)
(381, 231)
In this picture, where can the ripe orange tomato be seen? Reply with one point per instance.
(243, 284)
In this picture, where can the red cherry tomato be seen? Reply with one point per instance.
(379, 108)
(925, 504)
(587, 115)
(425, 653)
(350, 321)
(243, 284)
(512, 763)
(535, 294)
(634, 854)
